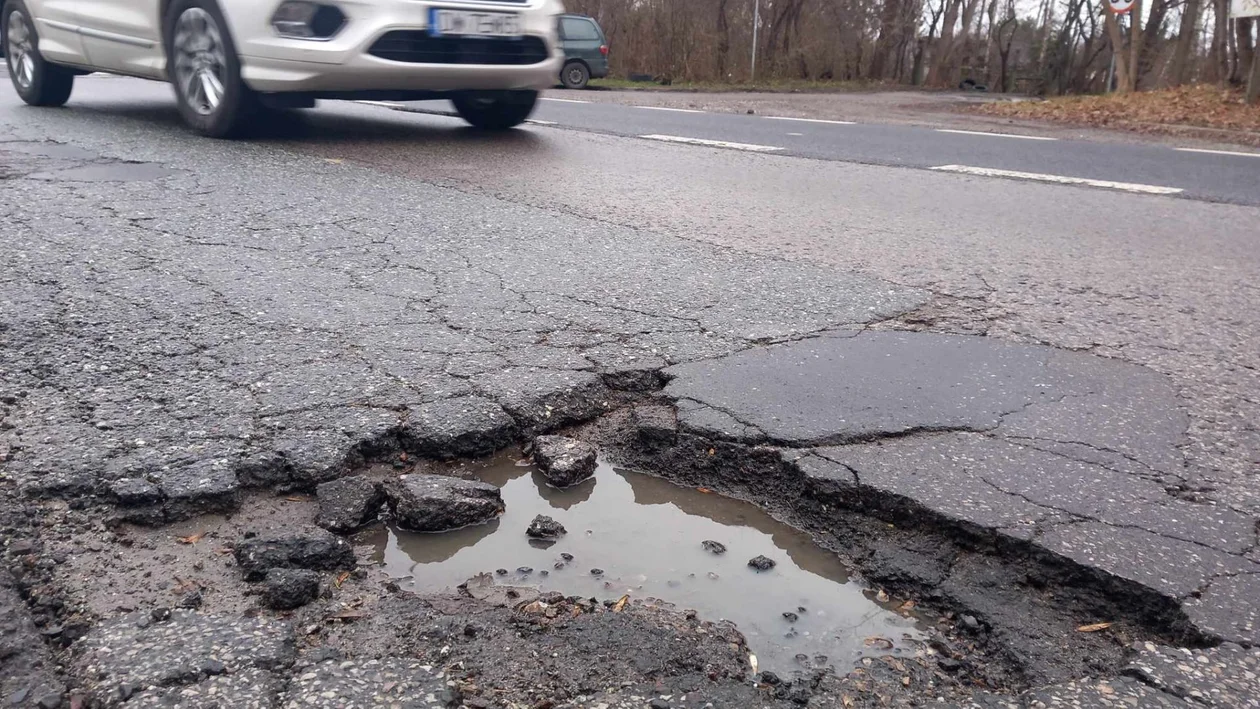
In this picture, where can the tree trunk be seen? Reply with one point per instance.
(944, 45)
(724, 40)
(1245, 50)
(889, 28)
(1117, 46)
(1135, 45)
(968, 44)
(1150, 42)
(1220, 41)
(1253, 83)
(1185, 42)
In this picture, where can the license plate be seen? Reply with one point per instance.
(465, 23)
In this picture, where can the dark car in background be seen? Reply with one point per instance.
(585, 51)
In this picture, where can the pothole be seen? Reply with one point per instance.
(638, 535)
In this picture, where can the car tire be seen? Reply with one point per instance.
(575, 75)
(495, 110)
(38, 82)
(205, 70)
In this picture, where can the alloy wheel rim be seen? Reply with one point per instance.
(575, 76)
(21, 54)
(200, 60)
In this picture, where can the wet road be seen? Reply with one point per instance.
(1161, 280)
(1219, 176)
(171, 302)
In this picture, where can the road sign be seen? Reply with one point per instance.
(1123, 7)
(1244, 8)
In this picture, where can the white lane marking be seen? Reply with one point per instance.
(667, 108)
(99, 74)
(382, 104)
(1060, 179)
(994, 135)
(810, 120)
(563, 100)
(796, 134)
(713, 143)
(537, 122)
(1220, 152)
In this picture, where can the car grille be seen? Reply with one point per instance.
(417, 47)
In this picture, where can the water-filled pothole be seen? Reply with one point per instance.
(645, 535)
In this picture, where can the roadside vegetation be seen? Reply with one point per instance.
(1048, 47)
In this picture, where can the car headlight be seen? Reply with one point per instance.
(307, 20)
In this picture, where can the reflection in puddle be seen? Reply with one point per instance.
(645, 534)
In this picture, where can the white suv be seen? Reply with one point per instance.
(230, 59)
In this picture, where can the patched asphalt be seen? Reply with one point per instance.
(1072, 453)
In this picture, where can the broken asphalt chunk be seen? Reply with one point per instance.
(544, 527)
(287, 589)
(762, 563)
(564, 461)
(436, 503)
(348, 503)
(306, 548)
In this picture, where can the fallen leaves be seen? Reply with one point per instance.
(1093, 627)
(192, 538)
(877, 641)
(294, 498)
(705, 490)
(348, 616)
(882, 596)
(341, 578)
(1200, 106)
(182, 586)
(620, 605)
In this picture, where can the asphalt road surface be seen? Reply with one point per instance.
(1227, 176)
(1064, 369)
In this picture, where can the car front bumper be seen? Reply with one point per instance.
(344, 64)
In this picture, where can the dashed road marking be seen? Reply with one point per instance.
(382, 104)
(538, 122)
(1220, 152)
(796, 134)
(562, 100)
(1060, 179)
(810, 120)
(713, 143)
(667, 108)
(994, 135)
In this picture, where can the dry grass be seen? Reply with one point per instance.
(1164, 111)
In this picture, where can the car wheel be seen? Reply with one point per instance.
(205, 70)
(38, 82)
(495, 110)
(575, 75)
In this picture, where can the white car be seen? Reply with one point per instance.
(231, 59)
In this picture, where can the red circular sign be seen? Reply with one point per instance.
(1120, 7)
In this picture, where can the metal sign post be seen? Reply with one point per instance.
(756, 21)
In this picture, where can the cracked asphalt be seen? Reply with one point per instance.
(183, 322)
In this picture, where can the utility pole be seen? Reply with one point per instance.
(756, 22)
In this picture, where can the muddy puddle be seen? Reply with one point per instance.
(645, 535)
